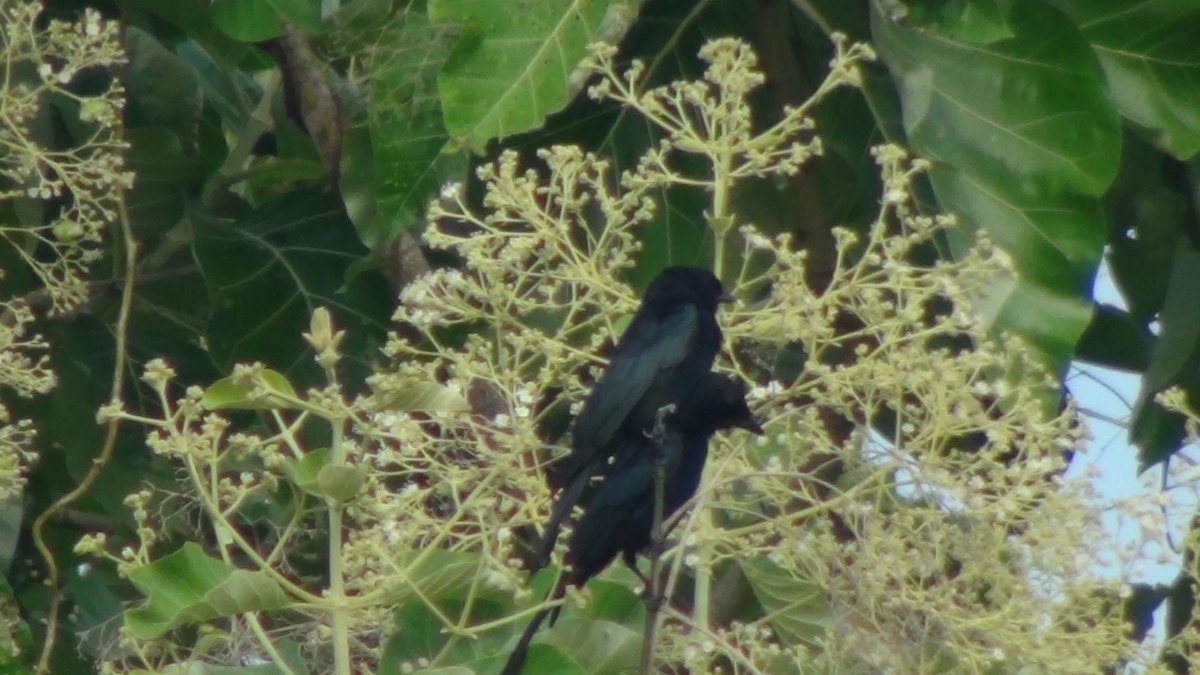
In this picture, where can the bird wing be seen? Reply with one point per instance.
(605, 528)
(653, 347)
(620, 513)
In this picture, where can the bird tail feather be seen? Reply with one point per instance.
(567, 499)
(516, 660)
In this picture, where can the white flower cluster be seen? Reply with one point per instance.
(89, 176)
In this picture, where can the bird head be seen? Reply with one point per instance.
(691, 285)
(718, 403)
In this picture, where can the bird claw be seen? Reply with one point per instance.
(658, 548)
(660, 423)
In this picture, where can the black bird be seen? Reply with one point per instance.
(620, 514)
(666, 351)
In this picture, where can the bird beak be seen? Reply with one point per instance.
(726, 299)
(752, 426)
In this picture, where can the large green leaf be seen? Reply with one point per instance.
(551, 660)
(981, 21)
(1151, 54)
(97, 608)
(193, 668)
(797, 610)
(614, 601)
(1173, 361)
(1034, 105)
(231, 393)
(195, 18)
(1055, 241)
(1151, 212)
(421, 396)
(231, 93)
(422, 635)
(267, 273)
(164, 173)
(1180, 322)
(412, 150)
(306, 14)
(1149, 208)
(1114, 339)
(597, 646)
(516, 62)
(163, 88)
(188, 586)
(1024, 138)
(440, 575)
(247, 20)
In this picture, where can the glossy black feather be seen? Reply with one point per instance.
(665, 352)
(668, 347)
(619, 516)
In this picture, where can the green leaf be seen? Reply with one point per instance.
(364, 16)
(1150, 52)
(246, 20)
(551, 660)
(516, 61)
(1173, 359)
(306, 14)
(614, 601)
(979, 21)
(412, 152)
(421, 397)
(200, 668)
(1055, 241)
(231, 92)
(164, 175)
(439, 575)
(267, 273)
(797, 609)
(1024, 138)
(343, 482)
(1151, 210)
(238, 394)
(1180, 324)
(1050, 320)
(357, 185)
(280, 175)
(195, 18)
(1034, 106)
(1157, 432)
(83, 364)
(188, 586)
(596, 646)
(421, 636)
(163, 88)
(1113, 339)
(306, 471)
(96, 608)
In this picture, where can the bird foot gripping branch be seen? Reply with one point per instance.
(659, 431)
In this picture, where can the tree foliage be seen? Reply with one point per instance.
(331, 278)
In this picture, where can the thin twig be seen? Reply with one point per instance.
(653, 595)
(106, 452)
